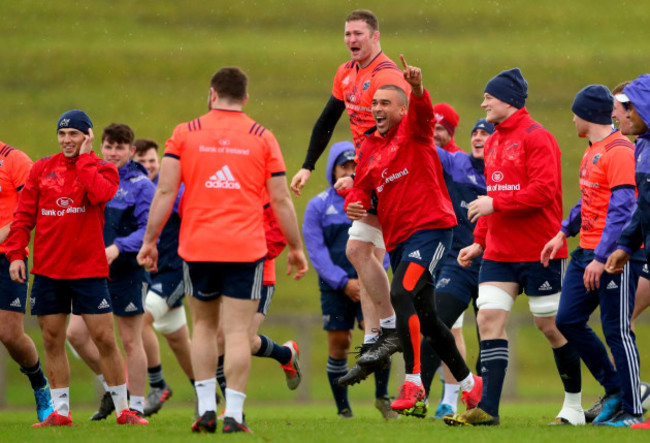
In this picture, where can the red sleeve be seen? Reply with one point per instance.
(24, 217)
(420, 115)
(275, 241)
(480, 231)
(99, 177)
(20, 167)
(543, 175)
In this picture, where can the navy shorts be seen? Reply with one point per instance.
(56, 296)
(208, 281)
(426, 247)
(339, 312)
(127, 291)
(169, 285)
(645, 273)
(265, 301)
(461, 283)
(13, 295)
(533, 278)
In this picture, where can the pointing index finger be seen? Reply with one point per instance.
(401, 56)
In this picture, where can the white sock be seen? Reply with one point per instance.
(441, 373)
(61, 400)
(205, 390)
(413, 378)
(235, 405)
(118, 394)
(137, 403)
(389, 322)
(467, 383)
(451, 396)
(370, 338)
(573, 400)
(102, 380)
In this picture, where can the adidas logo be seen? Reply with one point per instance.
(222, 179)
(612, 285)
(130, 308)
(546, 286)
(331, 210)
(103, 305)
(415, 254)
(64, 395)
(16, 303)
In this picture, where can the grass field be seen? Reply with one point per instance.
(148, 64)
(289, 423)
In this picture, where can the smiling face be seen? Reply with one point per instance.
(388, 108)
(362, 42)
(441, 136)
(117, 153)
(496, 111)
(149, 159)
(637, 125)
(70, 141)
(620, 114)
(478, 139)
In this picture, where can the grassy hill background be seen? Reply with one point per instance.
(148, 64)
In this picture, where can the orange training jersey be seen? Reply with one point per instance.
(606, 164)
(14, 170)
(226, 158)
(356, 86)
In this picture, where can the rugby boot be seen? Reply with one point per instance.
(443, 410)
(106, 408)
(411, 400)
(131, 417)
(472, 417)
(156, 399)
(611, 404)
(380, 351)
(569, 416)
(622, 419)
(383, 406)
(643, 425)
(44, 405)
(206, 423)
(55, 419)
(472, 398)
(594, 410)
(292, 368)
(230, 425)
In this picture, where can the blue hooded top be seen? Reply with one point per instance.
(637, 231)
(465, 179)
(325, 229)
(126, 216)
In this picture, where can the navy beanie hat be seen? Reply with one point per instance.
(75, 119)
(509, 87)
(594, 103)
(483, 124)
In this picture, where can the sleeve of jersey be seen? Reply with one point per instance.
(620, 175)
(322, 131)
(24, 218)
(419, 116)
(543, 176)
(571, 225)
(144, 196)
(21, 164)
(312, 231)
(480, 231)
(275, 240)
(173, 145)
(275, 162)
(100, 179)
(631, 238)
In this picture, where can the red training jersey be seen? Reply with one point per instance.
(523, 174)
(607, 164)
(64, 200)
(226, 158)
(356, 86)
(275, 243)
(402, 167)
(14, 170)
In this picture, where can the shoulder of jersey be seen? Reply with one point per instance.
(535, 126)
(619, 142)
(388, 64)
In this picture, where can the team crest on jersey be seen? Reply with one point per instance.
(497, 176)
(596, 158)
(511, 151)
(346, 80)
(366, 85)
(64, 202)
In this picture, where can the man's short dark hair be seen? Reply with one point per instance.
(402, 94)
(365, 16)
(230, 83)
(143, 145)
(118, 133)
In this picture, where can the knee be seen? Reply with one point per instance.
(105, 341)
(356, 252)
(547, 326)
